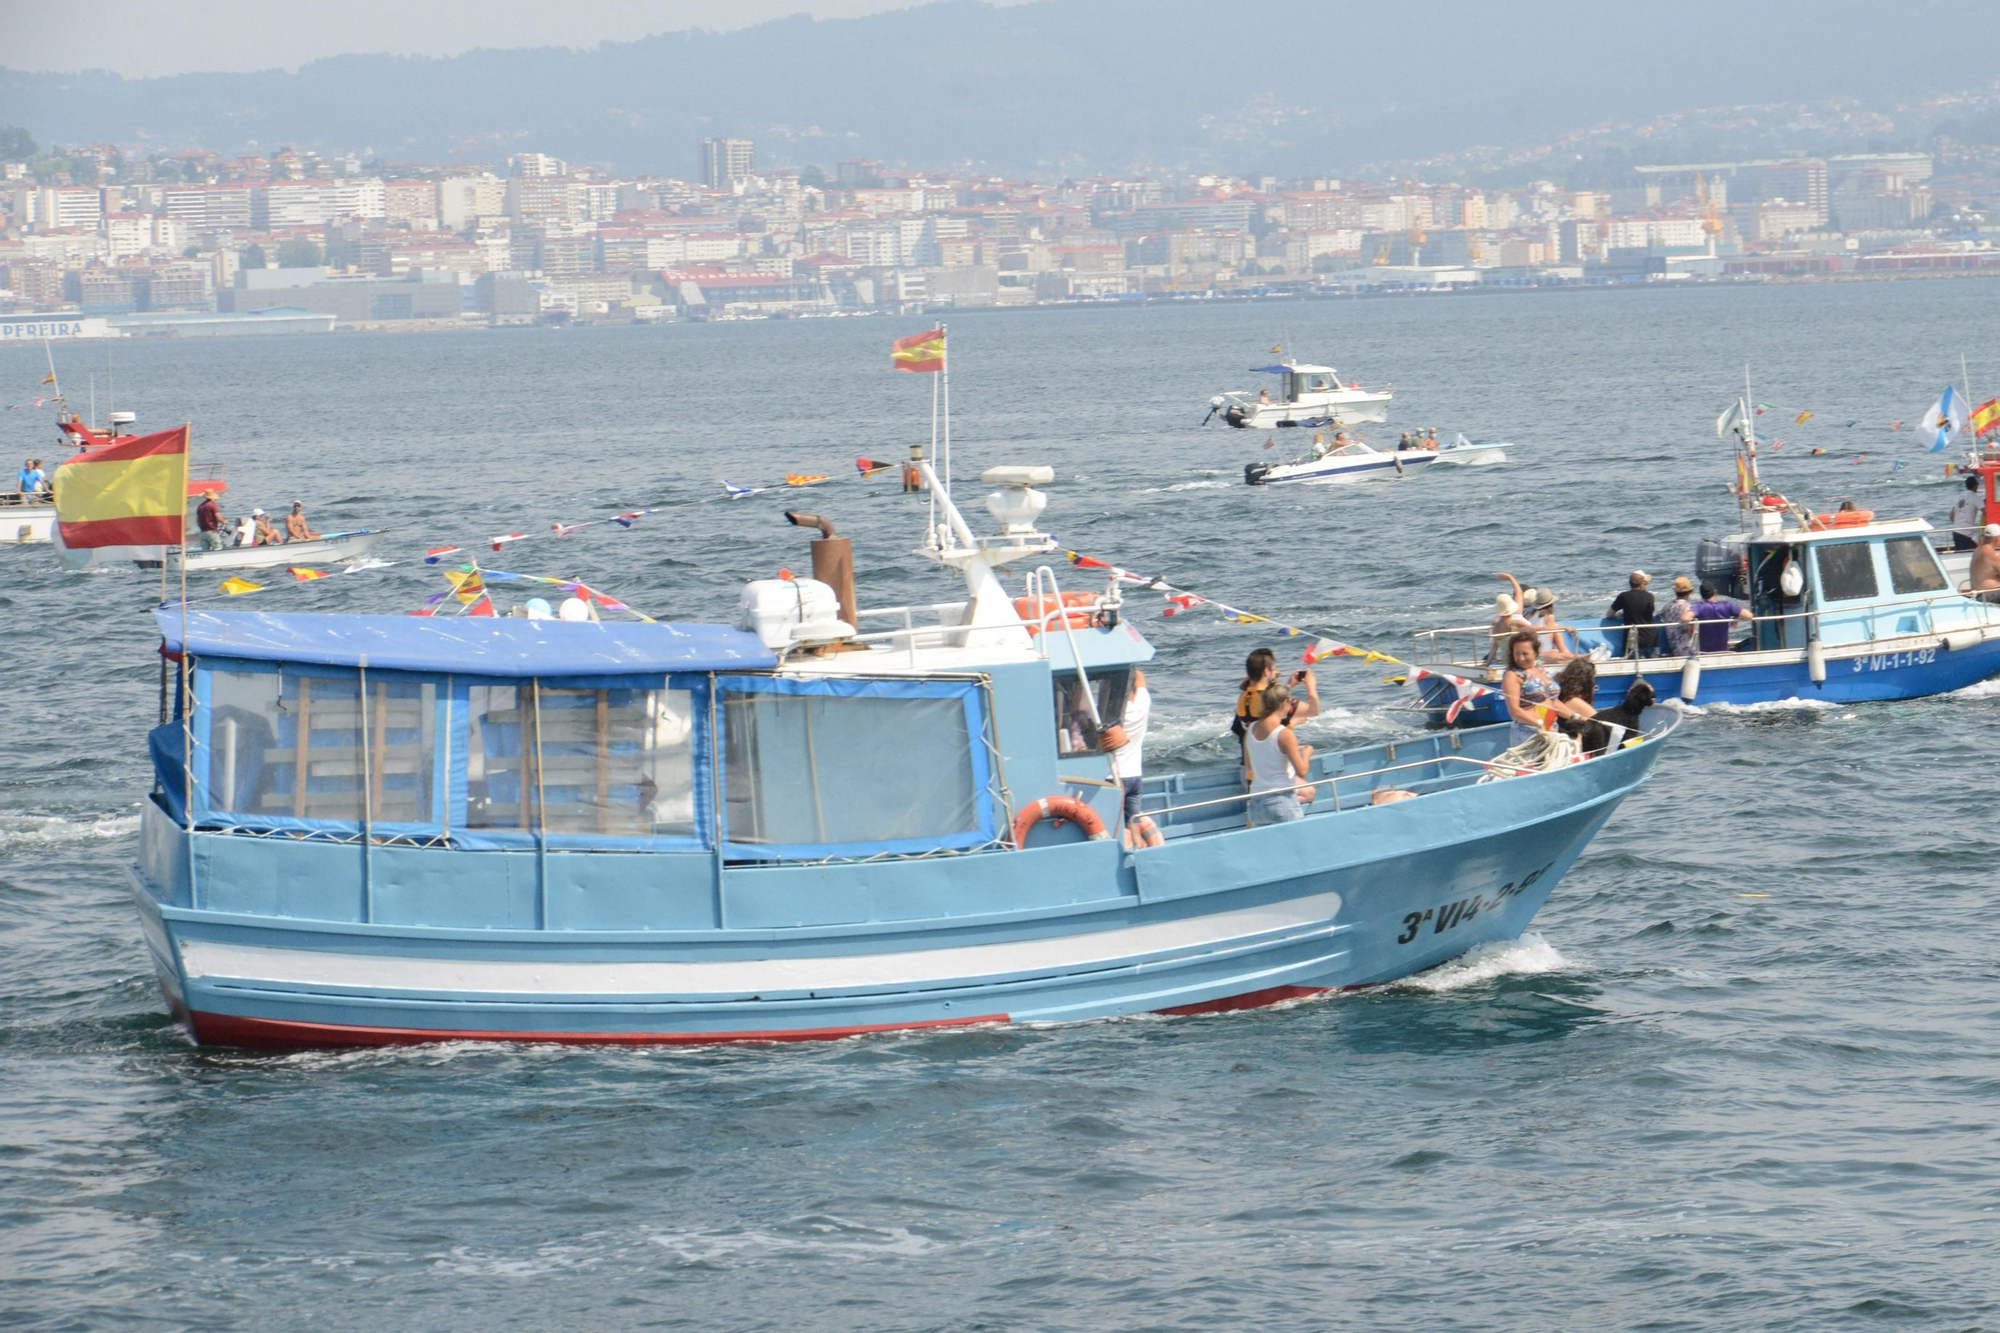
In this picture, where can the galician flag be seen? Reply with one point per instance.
(132, 493)
(1946, 418)
(1731, 416)
(920, 353)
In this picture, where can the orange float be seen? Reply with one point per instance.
(1063, 810)
(1042, 609)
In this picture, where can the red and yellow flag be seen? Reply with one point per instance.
(919, 353)
(302, 574)
(132, 493)
(1986, 416)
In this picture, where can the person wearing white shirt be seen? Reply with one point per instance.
(1967, 516)
(1127, 760)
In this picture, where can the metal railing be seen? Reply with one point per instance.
(1333, 780)
(1482, 641)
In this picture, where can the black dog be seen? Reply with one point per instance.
(1596, 733)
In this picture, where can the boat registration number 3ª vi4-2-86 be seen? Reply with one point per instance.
(1890, 661)
(1453, 914)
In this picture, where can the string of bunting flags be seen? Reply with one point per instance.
(238, 586)
(1180, 601)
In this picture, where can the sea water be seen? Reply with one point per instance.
(1742, 1073)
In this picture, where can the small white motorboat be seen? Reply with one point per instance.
(1355, 461)
(334, 548)
(1462, 452)
(1310, 396)
(26, 517)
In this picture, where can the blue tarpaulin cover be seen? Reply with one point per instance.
(465, 645)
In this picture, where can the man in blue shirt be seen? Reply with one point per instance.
(1714, 615)
(25, 483)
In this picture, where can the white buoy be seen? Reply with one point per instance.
(1690, 679)
(573, 608)
(1816, 662)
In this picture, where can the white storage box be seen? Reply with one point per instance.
(773, 608)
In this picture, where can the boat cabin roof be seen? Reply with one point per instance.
(1300, 369)
(502, 647)
(1893, 527)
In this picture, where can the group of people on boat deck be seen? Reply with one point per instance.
(1423, 439)
(1682, 627)
(32, 480)
(256, 530)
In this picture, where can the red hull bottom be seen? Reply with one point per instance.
(277, 1034)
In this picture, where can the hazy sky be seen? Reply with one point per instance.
(134, 38)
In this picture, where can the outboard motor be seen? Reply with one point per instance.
(1235, 415)
(1254, 473)
(1726, 564)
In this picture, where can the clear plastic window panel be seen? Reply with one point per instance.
(1846, 571)
(843, 772)
(1912, 566)
(288, 745)
(1076, 734)
(616, 762)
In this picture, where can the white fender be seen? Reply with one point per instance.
(1690, 679)
(1816, 662)
(1961, 640)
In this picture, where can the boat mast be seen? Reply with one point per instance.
(1748, 425)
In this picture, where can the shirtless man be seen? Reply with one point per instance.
(295, 525)
(1986, 564)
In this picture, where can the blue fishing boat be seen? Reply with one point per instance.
(1841, 612)
(387, 829)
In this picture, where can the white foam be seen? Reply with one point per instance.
(822, 1235)
(53, 830)
(1793, 705)
(1186, 486)
(1529, 956)
(1985, 689)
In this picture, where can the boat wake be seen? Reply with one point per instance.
(1530, 956)
(1755, 709)
(54, 830)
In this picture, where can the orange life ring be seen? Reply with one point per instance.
(1846, 518)
(1034, 610)
(1063, 810)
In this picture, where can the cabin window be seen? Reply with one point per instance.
(285, 746)
(1913, 567)
(1075, 733)
(613, 762)
(1846, 571)
(815, 769)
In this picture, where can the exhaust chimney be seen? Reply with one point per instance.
(833, 561)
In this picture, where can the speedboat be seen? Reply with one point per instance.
(822, 821)
(1844, 610)
(1356, 461)
(1462, 452)
(333, 548)
(1310, 396)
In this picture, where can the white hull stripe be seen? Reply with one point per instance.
(262, 964)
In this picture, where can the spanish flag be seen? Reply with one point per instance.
(1986, 416)
(132, 493)
(919, 353)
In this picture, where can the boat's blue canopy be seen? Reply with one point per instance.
(464, 645)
